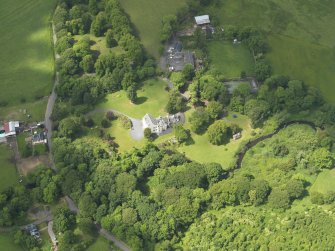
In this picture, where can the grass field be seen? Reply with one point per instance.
(203, 151)
(146, 15)
(152, 98)
(7, 169)
(7, 243)
(301, 35)
(99, 45)
(100, 244)
(230, 59)
(325, 182)
(26, 65)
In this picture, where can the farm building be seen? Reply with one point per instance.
(9, 129)
(160, 124)
(39, 138)
(202, 20)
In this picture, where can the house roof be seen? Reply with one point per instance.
(37, 137)
(150, 120)
(202, 19)
(6, 127)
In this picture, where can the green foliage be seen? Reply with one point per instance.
(219, 133)
(147, 133)
(262, 71)
(63, 220)
(188, 72)
(110, 41)
(175, 103)
(279, 199)
(199, 120)
(214, 109)
(69, 127)
(182, 135)
(169, 25)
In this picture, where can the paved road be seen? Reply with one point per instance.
(51, 102)
(52, 234)
(136, 131)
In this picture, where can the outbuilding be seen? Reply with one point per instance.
(202, 20)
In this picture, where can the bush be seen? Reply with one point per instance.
(125, 121)
(105, 123)
(147, 133)
(317, 198)
(110, 115)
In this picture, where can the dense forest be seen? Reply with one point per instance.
(155, 198)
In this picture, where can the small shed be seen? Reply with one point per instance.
(202, 20)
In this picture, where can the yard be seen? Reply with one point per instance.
(100, 244)
(146, 15)
(230, 59)
(152, 98)
(300, 36)
(8, 172)
(7, 243)
(99, 45)
(27, 64)
(203, 151)
(325, 182)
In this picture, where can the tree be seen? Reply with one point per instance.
(99, 24)
(105, 123)
(87, 206)
(182, 135)
(214, 110)
(129, 216)
(69, 127)
(262, 71)
(219, 133)
(110, 115)
(175, 103)
(295, 188)
(147, 133)
(199, 120)
(169, 25)
(320, 159)
(64, 43)
(279, 199)
(110, 41)
(87, 64)
(258, 111)
(132, 94)
(317, 198)
(63, 220)
(188, 72)
(259, 191)
(215, 173)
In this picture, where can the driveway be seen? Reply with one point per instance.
(136, 131)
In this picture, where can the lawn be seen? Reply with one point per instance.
(100, 244)
(146, 15)
(7, 169)
(325, 182)
(99, 45)
(203, 151)
(230, 59)
(7, 243)
(300, 35)
(27, 63)
(152, 98)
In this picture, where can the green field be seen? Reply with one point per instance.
(301, 35)
(99, 45)
(203, 151)
(325, 182)
(230, 59)
(7, 243)
(26, 65)
(146, 15)
(7, 169)
(152, 98)
(100, 244)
